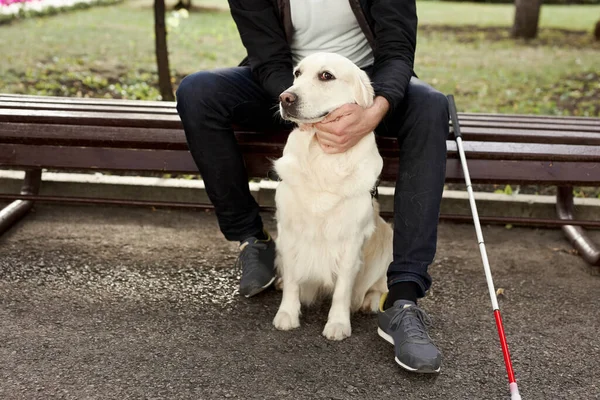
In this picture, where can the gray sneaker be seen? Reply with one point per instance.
(257, 262)
(404, 326)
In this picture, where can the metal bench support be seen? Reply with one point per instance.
(16, 210)
(576, 234)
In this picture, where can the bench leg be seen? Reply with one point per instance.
(576, 234)
(16, 210)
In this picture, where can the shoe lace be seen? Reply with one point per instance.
(248, 253)
(414, 320)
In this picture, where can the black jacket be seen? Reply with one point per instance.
(390, 26)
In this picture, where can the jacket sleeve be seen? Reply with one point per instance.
(395, 29)
(269, 55)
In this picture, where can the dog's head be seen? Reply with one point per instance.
(322, 83)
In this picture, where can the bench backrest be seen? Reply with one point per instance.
(129, 135)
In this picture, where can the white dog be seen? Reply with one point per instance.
(331, 239)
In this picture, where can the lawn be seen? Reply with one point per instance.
(552, 16)
(463, 49)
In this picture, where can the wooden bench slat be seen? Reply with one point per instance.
(90, 118)
(526, 151)
(96, 158)
(16, 112)
(16, 105)
(540, 119)
(179, 161)
(84, 100)
(554, 136)
(465, 116)
(153, 138)
(103, 136)
(66, 110)
(68, 103)
(47, 131)
(518, 172)
(132, 129)
(531, 125)
(473, 150)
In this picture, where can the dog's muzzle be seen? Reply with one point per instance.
(288, 102)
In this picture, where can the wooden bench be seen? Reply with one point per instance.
(145, 136)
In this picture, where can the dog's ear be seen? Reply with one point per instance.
(363, 90)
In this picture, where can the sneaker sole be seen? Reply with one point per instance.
(257, 291)
(390, 340)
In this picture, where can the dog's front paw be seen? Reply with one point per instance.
(337, 330)
(371, 302)
(285, 322)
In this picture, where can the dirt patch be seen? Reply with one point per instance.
(578, 93)
(546, 36)
(74, 77)
(575, 95)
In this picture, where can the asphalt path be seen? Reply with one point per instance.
(131, 303)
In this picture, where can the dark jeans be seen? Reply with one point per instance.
(209, 102)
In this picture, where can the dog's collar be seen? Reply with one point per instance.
(374, 192)
(272, 175)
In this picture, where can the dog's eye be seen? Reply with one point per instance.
(326, 76)
(297, 73)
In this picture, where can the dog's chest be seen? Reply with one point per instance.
(306, 168)
(318, 192)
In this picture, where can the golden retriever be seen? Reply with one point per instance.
(331, 240)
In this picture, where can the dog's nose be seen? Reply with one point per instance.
(287, 98)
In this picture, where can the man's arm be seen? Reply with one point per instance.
(348, 124)
(395, 28)
(263, 37)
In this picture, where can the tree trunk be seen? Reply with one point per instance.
(162, 54)
(183, 4)
(527, 16)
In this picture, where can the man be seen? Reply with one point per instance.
(380, 37)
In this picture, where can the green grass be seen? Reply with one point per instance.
(501, 76)
(109, 43)
(552, 16)
(109, 51)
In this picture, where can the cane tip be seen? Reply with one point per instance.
(514, 391)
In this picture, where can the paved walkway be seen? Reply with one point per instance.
(109, 303)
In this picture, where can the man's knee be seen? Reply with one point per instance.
(195, 89)
(439, 104)
(430, 109)
(429, 102)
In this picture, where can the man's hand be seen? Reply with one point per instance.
(345, 126)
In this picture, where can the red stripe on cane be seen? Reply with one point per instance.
(509, 369)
